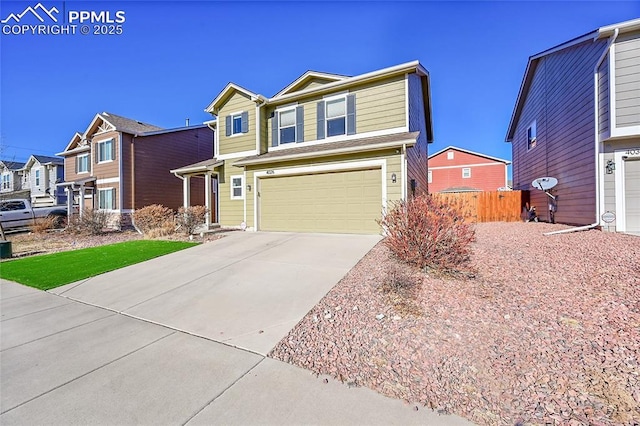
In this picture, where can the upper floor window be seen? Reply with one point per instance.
(237, 185)
(532, 136)
(37, 177)
(6, 181)
(236, 123)
(82, 163)
(337, 116)
(288, 125)
(450, 155)
(105, 151)
(466, 172)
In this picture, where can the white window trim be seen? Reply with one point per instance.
(234, 114)
(98, 148)
(88, 157)
(534, 140)
(466, 169)
(343, 138)
(231, 178)
(111, 188)
(430, 176)
(328, 99)
(295, 124)
(37, 176)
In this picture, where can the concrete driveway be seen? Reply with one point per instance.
(182, 338)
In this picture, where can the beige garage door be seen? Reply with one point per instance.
(632, 195)
(341, 202)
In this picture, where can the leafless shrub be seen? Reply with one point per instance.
(43, 225)
(189, 218)
(154, 221)
(91, 222)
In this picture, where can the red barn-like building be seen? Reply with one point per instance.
(459, 170)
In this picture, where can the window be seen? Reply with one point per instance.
(105, 151)
(287, 130)
(6, 181)
(429, 176)
(237, 184)
(37, 177)
(532, 136)
(466, 172)
(236, 123)
(288, 125)
(107, 199)
(450, 155)
(82, 163)
(12, 205)
(337, 116)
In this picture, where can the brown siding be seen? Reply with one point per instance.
(561, 101)
(70, 167)
(109, 169)
(156, 155)
(417, 156)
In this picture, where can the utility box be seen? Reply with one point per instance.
(5, 250)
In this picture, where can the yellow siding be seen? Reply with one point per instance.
(241, 142)
(379, 106)
(231, 211)
(394, 190)
(250, 196)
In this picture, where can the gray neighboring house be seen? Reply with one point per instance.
(12, 184)
(42, 173)
(577, 119)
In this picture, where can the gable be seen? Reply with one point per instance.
(309, 80)
(462, 157)
(228, 92)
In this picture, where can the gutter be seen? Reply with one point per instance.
(597, 141)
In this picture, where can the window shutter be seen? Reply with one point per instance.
(96, 148)
(245, 122)
(300, 123)
(113, 149)
(274, 129)
(351, 114)
(227, 125)
(113, 198)
(77, 166)
(321, 120)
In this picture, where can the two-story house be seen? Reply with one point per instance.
(11, 180)
(454, 169)
(327, 153)
(119, 164)
(577, 119)
(42, 174)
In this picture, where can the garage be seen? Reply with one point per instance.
(337, 202)
(632, 196)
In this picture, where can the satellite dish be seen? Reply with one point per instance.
(544, 183)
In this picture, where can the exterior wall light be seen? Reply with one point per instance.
(611, 166)
(248, 187)
(393, 178)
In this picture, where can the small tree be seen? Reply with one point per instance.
(429, 233)
(190, 218)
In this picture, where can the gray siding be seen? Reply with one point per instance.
(561, 101)
(603, 98)
(627, 56)
(418, 155)
(609, 181)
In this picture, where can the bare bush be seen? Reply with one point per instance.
(154, 220)
(91, 222)
(429, 233)
(43, 225)
(190, 218)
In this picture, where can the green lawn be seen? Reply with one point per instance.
(53, 270)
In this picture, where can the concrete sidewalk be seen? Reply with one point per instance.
(65, 361)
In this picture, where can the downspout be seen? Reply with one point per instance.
(133, 174)
(597, 141)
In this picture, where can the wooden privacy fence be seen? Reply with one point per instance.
(495, 206)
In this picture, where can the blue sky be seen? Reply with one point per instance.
(174, 57)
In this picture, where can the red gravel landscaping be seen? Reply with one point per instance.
(545, 331)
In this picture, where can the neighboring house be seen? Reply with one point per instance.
(119, 164)
(577, 119)
(42, 174)
(12, 179)
(455, 169)
(328, 153)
